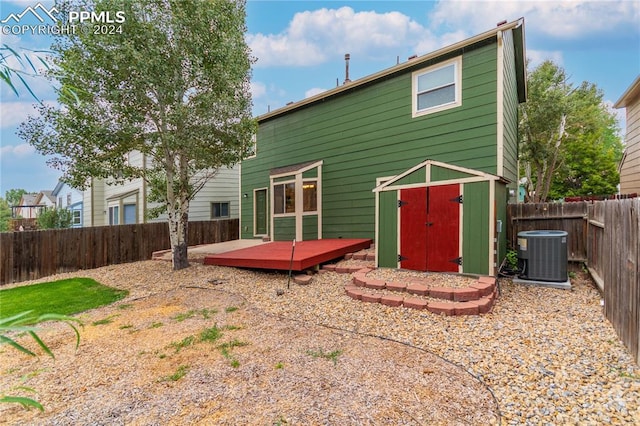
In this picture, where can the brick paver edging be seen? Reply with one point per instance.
(476, 299)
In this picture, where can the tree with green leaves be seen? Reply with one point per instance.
(5, 215)
(13, 196)
(173, 85)
(54, 218)
(568, 138)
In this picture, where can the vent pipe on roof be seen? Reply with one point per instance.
(346, 68)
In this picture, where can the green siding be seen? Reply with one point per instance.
(510, 125)
(368, 133)
(439, 173)
(388, 233)
(475, 233)
(501, 214)
(288, 178)
(310, 173)
(418, 176)
(310, 227)
(285, 228)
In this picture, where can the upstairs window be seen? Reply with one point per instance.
(437, 88)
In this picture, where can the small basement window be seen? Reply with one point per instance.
(437, 88)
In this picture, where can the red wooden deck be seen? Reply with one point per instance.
(277, 254)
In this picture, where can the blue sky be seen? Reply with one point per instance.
(300, 47)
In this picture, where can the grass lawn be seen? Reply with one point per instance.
(64, 297)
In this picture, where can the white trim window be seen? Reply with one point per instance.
(284, 198)
(437, 88)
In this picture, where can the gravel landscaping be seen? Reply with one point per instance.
(548, 356)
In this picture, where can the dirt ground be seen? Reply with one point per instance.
(184, 349)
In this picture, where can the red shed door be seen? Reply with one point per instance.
(413, 232)
(430, 228)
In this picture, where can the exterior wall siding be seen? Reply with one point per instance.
(630, 170)
(370, 133)
(510, 123)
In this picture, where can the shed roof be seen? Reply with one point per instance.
(519, 44)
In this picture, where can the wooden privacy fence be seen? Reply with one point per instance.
(33, 254)
(606, 236)
(614, 262)
(569, 217)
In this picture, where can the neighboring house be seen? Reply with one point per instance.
(630, 163)
(421, 156)
(26, 208)
(45, 198)
(69, 198)
(31, 205)
(106, 204)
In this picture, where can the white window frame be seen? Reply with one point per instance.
(273, 206)
(76, 217)
(457, 81)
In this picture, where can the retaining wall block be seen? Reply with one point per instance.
(391, 300)
(445, 293)
(465, 294)
(396, 286)
(445, 308)
(466, 308)
(415, 303)
(375, 284)
(483, 288)
(417, 288)
(370, 297)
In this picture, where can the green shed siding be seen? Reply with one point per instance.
(439, 173)
(369, 132)
(510, 123)
(501, 214)
(285, 228)
(475, 216)
(388, 230)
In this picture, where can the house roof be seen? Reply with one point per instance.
(519, 43)
(290, 169)
(46, 194)
(629, 95)
(28, 200)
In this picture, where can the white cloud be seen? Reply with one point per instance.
(313, 91)
(536, 57)
(14, 113)
(314, 37)
(21, 150)
(560, 19)
(258, 89)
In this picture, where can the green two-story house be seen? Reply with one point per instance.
(421, 157)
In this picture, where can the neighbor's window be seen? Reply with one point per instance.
(437, 88)
(114, 215)
(284, 198)
(77, 220)
(219, 210)
(310, 196)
